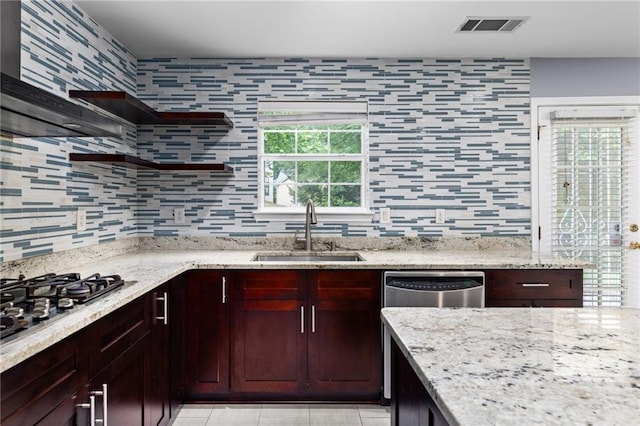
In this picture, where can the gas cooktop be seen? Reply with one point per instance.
(25, 302)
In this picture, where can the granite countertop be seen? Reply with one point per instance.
(498, 366)
(144, 270)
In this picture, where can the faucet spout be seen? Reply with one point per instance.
(310, 219)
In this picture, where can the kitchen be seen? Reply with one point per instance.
(445, 132)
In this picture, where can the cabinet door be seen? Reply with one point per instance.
(534, 287)
(270, 333)
(344, 340)
(31, 389)
(114, 334)
(207, 330)
(177, 341)
(68, 413)
(125, 381)
(157, 403)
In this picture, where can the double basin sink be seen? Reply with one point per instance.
(307, 257)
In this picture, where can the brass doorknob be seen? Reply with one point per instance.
(634, 245)
(633, 227)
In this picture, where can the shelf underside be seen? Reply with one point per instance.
(133, 110)
(135, 162)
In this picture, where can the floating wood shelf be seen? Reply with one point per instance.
(135, 162)
(133, 110)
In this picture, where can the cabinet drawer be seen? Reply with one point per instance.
(530, 284)
(31, 389)
(117, 332)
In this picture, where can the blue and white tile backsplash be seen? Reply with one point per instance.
(444, 133)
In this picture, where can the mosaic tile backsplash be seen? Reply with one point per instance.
(447, 134)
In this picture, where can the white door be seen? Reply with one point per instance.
(587, 197)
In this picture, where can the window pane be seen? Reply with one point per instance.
(313, 171)
(318, 193)
(279, 142)
(345, 142)
(345, 172)
(345, 196)
(279, 184)
(312, 143)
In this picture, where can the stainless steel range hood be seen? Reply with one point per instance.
(33, 112)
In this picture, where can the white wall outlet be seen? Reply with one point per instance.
(179, 216)
(440, 216)
(385, 215)
(81, 220)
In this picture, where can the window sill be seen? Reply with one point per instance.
(355, 215)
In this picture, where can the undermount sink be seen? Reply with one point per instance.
(308, 257)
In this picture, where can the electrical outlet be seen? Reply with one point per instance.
(179, 216)
(385, 215)
(440, 216)
(81, 220)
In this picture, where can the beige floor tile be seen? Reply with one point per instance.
(335, 415)
(367, 411)
(195, 410)
(189, 421)
(376, 421)
(232, 415)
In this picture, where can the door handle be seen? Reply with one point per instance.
(535, 284)
(91, 405)
(224, 289)
(164, 318)
(301, 319)
(313, 318)
(103, 394)
(634, 245)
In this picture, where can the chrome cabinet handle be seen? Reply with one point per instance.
(91, 405)
(535, 284)
(165, 300)
(302, 319)
(102, 393)
(224, 289)
(313, 318)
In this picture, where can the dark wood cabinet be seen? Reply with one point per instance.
(344, 340)
(207, 325)
(269, 334)
(124, 359)
(157, 401)
(306, 334)
(120, 363)
(45, 388)
(411, 404)
(533, 288)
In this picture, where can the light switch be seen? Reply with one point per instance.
(440, 216)
(179, 216)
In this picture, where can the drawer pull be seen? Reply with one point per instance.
(535, 284)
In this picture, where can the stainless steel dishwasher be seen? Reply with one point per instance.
(430, 289)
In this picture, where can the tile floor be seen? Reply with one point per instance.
(282, 415)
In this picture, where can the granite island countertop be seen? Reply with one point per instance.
(144, 270)
(497, 366)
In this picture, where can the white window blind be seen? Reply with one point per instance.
(591, 186)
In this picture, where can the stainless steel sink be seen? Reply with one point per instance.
(308, 257)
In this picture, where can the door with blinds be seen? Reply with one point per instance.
(588, 196)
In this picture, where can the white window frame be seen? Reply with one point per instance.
(336, 109)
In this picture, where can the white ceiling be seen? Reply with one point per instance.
(360, 28)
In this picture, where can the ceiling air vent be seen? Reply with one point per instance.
(502, 25)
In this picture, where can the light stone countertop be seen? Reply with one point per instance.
(508, 366)
(144, 270)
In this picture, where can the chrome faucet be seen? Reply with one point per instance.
(310, 219)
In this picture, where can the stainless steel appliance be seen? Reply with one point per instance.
(27, 110)
(26, 302)
(435, 289)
